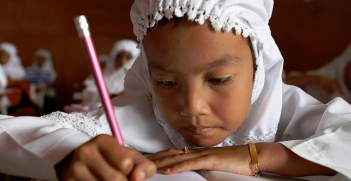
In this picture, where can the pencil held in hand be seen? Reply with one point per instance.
(89, 50)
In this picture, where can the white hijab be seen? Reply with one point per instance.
(114, 78)
(249, 18)
(110, 67)
(129, 46)
(115, 82)
(47, 65)
(13, 69)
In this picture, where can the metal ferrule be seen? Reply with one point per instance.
(82, 26)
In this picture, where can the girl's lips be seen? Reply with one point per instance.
(200, 130)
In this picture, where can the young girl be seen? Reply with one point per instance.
(208, 83)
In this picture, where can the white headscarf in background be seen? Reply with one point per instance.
(110, 66)
(47, 65)
(3, 79)
(250, 19)
(114, 78)
(115, 82)
(129, 46)
(13, 69)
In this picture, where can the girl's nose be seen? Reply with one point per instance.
(195, 102)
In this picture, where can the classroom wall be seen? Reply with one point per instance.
(309, 33)
(49, 24)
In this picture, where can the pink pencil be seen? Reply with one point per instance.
(88, 46)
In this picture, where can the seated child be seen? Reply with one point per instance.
(15, 74)
(42, 68)
(122, 57)
(330, 81)
(208, 83)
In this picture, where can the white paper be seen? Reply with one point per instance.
(183, 176)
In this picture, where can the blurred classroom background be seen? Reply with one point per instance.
(309, 33)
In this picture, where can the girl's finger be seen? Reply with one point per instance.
(119, 157)
(200, 163)
(96, 163)
(176, 159)
(169, 152)
(79, 171)
(143, 168)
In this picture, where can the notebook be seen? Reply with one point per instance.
(183, 176)
(225, 176)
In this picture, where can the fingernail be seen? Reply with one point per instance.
(141, 176)
(167, 170)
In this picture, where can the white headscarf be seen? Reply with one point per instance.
(13, 69)
(249, 18)
(114, 78)
(3, 79)
(115, 82)
(47, 65)
(129, 46)
(110, 67)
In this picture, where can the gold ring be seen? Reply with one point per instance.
(186, 149)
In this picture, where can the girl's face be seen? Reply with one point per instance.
(40, 61)
(4, 57)
(122, 58)
(202, 79)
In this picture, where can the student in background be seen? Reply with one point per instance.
(42, 76)
(43, 66)
(328, 82)
(19, 101)
(11, 62)
(122, 56)
(3, 77)
(124, 53)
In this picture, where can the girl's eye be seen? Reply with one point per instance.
(221, 81)
(166, 84)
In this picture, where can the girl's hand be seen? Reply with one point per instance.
(272, 157)
(235, 159)
(103, 158)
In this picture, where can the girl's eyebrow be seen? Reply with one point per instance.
(157, 67)
(224, 60)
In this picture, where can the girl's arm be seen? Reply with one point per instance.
(276, 158)
(31, 146)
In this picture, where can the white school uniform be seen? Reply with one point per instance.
(317, 132)
(3, 79)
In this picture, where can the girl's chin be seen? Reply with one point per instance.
(202, 141)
